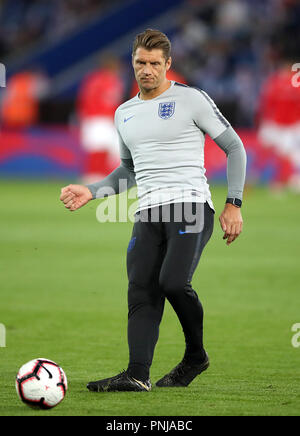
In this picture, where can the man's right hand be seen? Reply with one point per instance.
(75, 196)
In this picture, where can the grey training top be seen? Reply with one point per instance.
(162, 144)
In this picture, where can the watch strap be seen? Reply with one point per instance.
(235, 201)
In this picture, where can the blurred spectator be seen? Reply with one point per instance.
(232, 17)
(100, 94)
(21, 99)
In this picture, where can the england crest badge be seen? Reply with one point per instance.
(166, 110)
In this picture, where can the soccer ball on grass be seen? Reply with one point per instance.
(41, 383)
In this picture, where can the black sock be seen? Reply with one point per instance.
(138, 371)
(197, 357)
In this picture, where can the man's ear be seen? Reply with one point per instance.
(169, 63)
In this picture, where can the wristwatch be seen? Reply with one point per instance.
(235, 201)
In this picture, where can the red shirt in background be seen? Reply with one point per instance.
(280, 100)
(100, 94)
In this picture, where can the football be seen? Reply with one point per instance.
(41, 383)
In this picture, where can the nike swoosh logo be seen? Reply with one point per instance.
(147, 388)
(127, 119)
(181, 232)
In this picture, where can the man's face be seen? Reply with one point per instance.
(150, 68)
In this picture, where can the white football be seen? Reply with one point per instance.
(41, 383)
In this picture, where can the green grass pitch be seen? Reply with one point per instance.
(63, 297)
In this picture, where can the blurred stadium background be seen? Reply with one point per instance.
(68, 67)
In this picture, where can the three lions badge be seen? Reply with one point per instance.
(166, 110)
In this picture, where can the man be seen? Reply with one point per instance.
(279, 126)
(161, 133)
(100, 94)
